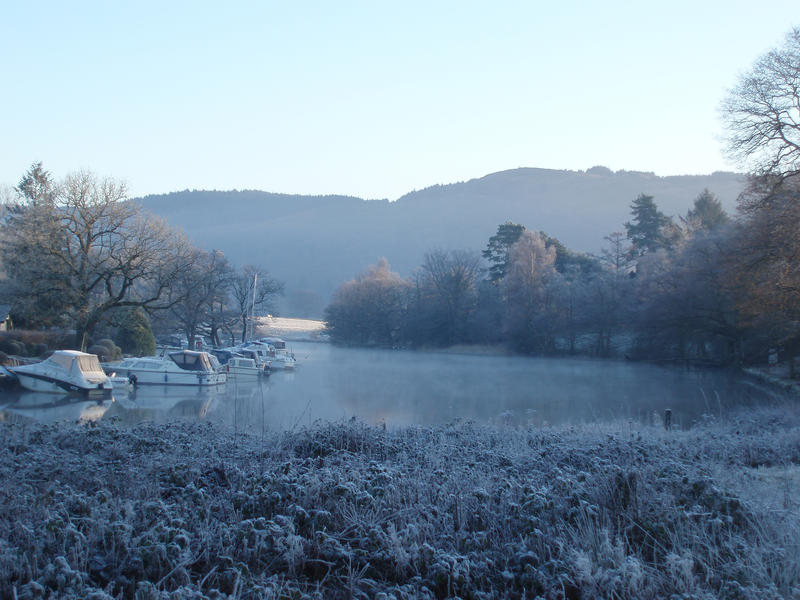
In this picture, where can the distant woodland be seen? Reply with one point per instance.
(686, 289)
(313, 244)
(706, 286)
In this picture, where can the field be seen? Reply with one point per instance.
(345, 510)
(291, 329)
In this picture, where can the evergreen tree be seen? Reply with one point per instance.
(497, 251)
(134, 335)
(647, 231)
(567, 259)
(707, 213)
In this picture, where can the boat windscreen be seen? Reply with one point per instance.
(191, 361)
(90, 365)
(62, 360)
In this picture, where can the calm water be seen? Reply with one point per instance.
(402, 388)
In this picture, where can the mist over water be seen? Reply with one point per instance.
(424, 388)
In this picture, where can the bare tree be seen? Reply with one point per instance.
(252, 290)
(531, 267)
(686, 306)
(762, 113)
(447, 283)
(198, 290)
(89, 251)
(616, 256)
(768, 252)
(369, 309)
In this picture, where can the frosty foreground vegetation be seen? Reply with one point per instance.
(346, 510)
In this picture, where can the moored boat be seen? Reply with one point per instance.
(65, 371)
(260, 366)
(239, 367)
(279, 355)
(181, 367)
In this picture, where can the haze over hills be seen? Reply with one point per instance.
(314, 243)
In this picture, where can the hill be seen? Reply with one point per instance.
(313, 243)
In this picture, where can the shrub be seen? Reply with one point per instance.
(113, 352)
(105, 351)
(38, 349)
(11, 346)
(135, 334)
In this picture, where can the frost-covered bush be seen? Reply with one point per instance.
(345, 510)
(106, 350)
(12, 346)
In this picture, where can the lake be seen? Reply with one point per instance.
(401, 388)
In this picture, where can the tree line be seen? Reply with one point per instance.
(707, 286)
(525, 290)
(78, 255)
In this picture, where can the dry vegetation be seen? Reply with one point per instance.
(186, 510)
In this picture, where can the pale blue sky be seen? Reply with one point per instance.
(372, 99)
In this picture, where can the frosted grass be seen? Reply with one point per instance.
(347, 510)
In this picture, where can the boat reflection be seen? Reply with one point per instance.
(152, 403)
(25, 406)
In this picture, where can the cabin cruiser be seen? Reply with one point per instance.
(257, 353)
(239, 363)
(65, 371)
(179, 367)
(240, 367)
(279, 355)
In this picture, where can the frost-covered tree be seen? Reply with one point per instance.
(686, 303)
(134, 334)
(531, 269)
(706, 213)
(252, 290)
(197, 290)
(447, 294)
(370, 309)
(86, 250)
(616, 254)
(762, 114)
(765, 258)
(36, 286)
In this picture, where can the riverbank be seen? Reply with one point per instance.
(290, 329)
(776, 375)
(187, 510)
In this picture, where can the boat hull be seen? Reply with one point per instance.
(43, 383)
(282, 363)
(245, 373)
(144, 377)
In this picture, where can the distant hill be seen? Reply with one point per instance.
(314, 243)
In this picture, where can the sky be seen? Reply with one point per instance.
(369, 98)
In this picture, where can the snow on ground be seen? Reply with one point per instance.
(291, 329)
(345, 510)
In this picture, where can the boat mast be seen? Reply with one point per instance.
(253, 308)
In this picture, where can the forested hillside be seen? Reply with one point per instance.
(313, 243)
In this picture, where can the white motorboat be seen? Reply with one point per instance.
(250, 352)
(279, 356)
(240, 367)
(65, 371)
(180, 367)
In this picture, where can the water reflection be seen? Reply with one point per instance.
(402, 388)
(23, 406)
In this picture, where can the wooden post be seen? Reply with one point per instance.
(668, 419)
